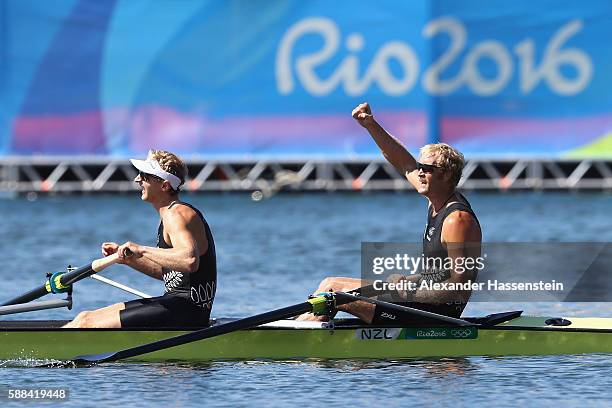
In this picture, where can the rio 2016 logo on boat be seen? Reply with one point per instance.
(530, 74)
(458, 333)
(428, 333)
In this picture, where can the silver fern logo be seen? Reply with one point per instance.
(172, 280)
(430, 233)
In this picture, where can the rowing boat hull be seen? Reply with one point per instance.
(289, 340)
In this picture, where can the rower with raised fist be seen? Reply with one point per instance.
(452, 232)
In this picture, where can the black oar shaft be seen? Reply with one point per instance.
(28, 297)
(78, 274)
(317, 304)
(66, 279)
(197, 335)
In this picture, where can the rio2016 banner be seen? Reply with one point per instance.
(279, 78)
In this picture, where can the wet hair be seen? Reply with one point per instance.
(447, 157)
(171, 163)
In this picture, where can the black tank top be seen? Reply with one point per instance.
(432, 238)
(199, 286)
(433, 247)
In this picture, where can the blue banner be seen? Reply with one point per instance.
(279, 78)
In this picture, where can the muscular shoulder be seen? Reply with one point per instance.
(460, 226)
(180, 215)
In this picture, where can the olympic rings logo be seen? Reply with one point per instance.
(461, 333)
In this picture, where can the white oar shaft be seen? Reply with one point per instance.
(121, 286)
(33, 306)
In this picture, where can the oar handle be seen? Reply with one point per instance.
(100, 264)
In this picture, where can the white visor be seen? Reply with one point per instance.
(153, 167)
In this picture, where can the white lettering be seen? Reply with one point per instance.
(458, 37)
(394, 83)
(498, 53)
(347, 73)
(553, 59)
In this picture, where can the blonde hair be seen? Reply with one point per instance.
(171, 163)
(447, 157)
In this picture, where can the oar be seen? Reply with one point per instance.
(321, 303)
(352, 297)
(318, 304)
(66, 279)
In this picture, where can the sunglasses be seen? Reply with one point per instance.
(427, 168)
(147, 177)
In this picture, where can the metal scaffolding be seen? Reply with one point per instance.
(97, 174)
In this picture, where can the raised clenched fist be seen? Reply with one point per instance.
(363, 115)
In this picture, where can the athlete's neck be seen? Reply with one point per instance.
(439, 201)
(164, 202)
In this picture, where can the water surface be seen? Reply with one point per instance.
(272, 254)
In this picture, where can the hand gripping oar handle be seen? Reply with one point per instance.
(67, 279)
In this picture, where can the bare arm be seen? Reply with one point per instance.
(181, 224)
(147, 267)
(143, 265)
(392, 149)
(462, 237)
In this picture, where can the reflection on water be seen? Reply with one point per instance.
(431, 366)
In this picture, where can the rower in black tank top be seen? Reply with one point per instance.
(189, 296)
(432, 237)
(200, 285)
(432, 248)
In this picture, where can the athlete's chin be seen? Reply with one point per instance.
(423, 189)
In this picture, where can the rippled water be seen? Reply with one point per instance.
(271, 254)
